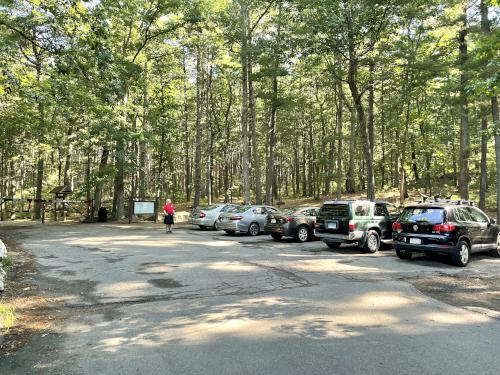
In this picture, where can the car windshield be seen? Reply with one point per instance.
(430, 215)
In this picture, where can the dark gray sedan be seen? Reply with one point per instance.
(296, 222)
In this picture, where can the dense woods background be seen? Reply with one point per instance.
(260, 100)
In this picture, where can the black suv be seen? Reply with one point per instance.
(364, 223)
(456, 228)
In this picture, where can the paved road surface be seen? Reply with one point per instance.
(139, 301)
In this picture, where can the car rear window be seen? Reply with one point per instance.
(229, 208)
(240, 209)
(339, 210)
(289, 210)
(431, 215)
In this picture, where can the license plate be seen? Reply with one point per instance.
(416, 241)
(331, 225)
(273, 221)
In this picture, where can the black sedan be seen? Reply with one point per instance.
(296, 222)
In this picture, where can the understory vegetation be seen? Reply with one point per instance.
(251, 100)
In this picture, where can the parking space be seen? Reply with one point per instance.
(134, 299)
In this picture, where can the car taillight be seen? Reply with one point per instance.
(443, 228)
(352, 226)
(202, 215)
(396, 227)
(236, 217)
(290, 219)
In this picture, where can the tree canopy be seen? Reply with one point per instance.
(252, 100)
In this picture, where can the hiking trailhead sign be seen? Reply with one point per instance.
(144, 207)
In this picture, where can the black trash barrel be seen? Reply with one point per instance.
(102, 214)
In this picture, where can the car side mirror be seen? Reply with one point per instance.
(492, 221)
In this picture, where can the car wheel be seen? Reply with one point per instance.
(276, 236)
(461, 257)
(333, 245)
(496, 251)
(253, 229)
(372, 241)
(231, 232)
(404, 254)
(302, 234)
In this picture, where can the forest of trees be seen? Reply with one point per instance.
(260, 99)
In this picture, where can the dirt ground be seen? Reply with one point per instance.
(35, 309)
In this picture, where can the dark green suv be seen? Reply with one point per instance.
(364, 223)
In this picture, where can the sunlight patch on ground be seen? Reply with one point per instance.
(231, 267)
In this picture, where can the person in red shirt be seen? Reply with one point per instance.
(169, 210)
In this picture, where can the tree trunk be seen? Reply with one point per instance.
(244, 104)
(118, 197)
(358, 105)
(185, 119)
(483, 183)
(197, 161)
(340, 119)
(255, 141)
(464, 115)
(494, 111)
(142, 142)
(99, 183)
(485, 28)
(371, 112)
(350, 182)
(40, 154)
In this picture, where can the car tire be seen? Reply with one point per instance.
(333, 245)
(230, 232)
(372, 242)
(404, 254)
(462, 256)
(496, 252)
(276, 236)
(303, 234)
(253, 229)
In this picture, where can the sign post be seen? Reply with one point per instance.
(142, 207)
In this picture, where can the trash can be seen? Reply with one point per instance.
(102, 215)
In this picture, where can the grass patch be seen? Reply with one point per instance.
(7, 263)
(7, 317)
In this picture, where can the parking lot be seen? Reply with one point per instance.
(131, 299)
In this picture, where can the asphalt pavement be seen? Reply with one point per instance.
(138, 301)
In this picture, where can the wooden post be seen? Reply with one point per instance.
(55, 208)
(43, 212)
(130, 209)
(156, 210)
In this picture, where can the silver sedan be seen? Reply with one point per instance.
(245, 219)
(206, 216)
